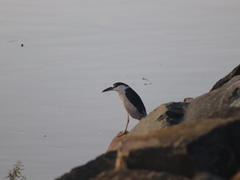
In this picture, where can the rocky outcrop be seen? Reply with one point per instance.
(151, 175)
(165, 115)
(178, 152)
(208, 145)
(196, 139)
(234, 72)
(102, 163)
(137, 175)
(222, 97)
(116, 140)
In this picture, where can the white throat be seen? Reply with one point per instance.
(121, 89)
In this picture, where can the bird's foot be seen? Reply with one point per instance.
(122, 133)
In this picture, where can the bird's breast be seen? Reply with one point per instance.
(132, 110)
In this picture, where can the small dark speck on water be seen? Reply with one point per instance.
(22, 45)
(147, 80)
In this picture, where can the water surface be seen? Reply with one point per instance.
(53, 114)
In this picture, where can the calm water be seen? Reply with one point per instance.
(53, 114)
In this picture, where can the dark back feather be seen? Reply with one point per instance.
(134, 98)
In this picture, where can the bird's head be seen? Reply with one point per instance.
(118, 87)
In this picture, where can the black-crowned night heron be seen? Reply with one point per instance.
(131, 101)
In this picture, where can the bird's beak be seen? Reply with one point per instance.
(108, 89)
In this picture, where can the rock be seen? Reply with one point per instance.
(226, 113)
(137, 175)
(236, 176)
(208, 145)
(150, 175)
(207, 176)
(236, 103)
(183, 151)
(197, 139)
(234, 72)
(188, 99)
(163, 116)
(114, 144)
(222, 97)
(93, 168)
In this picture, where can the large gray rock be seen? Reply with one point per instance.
(177, 152)
(234, 72)
(200, 150)
(116, 140)
(151, 175)
(207, 176)
(236, 176)
(165, 115)
(222, 97)
(137, 175)
(91, 169)
(225, 113)
(208, 145)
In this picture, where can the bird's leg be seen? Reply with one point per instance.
(125, 131)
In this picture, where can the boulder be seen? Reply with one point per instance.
(197, 139)
(184, 151)
(234, 72)
(208, 145)
(150, 175)
(93, 168)
(236, 176)
(222, 97)
(137, 175)
(207, 176)
(118, 138)
(165, 115)
(226, 113)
